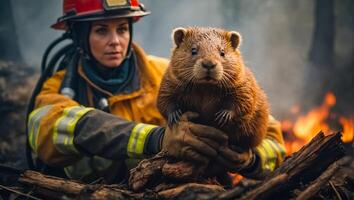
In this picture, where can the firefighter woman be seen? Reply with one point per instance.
(93, 111)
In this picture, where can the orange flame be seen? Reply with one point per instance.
(348, 129)
(307, 126)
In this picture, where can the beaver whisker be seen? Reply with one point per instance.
(229, 72)
(222, 83)
(185, 74)
(225, 86)
(189, 85)
(229, 77)
(184, 85)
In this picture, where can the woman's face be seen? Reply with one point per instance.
(109, 40)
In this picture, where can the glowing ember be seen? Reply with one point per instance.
(236, 178)
(305, 127)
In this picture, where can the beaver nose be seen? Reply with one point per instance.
(208, 64)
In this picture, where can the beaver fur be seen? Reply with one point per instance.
(207, 75)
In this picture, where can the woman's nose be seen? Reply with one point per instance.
(114, 39)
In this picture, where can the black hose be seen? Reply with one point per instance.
(64, 62)
(68, 83)
(65, 36)
(56, 57)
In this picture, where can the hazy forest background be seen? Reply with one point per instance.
(298, 50)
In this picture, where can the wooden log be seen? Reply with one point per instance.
(51, 187)
(195, 190)
(57, 188)
(148, 173)
(301, 168)
(241, 188)
(273, 185)
(162, 169)
(312, 159)
(180, 170)
(322, 180)
(52, 183)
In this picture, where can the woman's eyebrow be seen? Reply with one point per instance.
(104, 25)
(122, 24)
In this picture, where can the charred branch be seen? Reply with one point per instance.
(301, 168)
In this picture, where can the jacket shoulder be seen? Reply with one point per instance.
(159, 63)
(53, 83)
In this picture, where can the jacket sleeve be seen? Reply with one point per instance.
(269, 154)
(114, 138)
(61, 132)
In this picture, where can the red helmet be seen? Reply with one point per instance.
(89, 10)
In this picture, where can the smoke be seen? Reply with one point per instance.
(276, 36)
(32, 21)
(277, 39)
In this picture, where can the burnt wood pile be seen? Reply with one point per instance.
(320, 170)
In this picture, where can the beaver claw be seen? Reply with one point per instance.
(223, 117)
(174, 117)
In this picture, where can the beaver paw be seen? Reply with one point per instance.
(223, 117)
(174, 117)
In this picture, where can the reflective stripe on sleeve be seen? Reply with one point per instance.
(279, 149)
(64, 128)
(34, 125)
(137, 139)
(270, 154)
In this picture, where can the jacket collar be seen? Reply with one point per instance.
(146, 78)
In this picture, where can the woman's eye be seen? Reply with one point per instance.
(194, 51)
(222, 53)
(101, 31)
(122, 29)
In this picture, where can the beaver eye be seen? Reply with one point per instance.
(194, 51)
(222, 53)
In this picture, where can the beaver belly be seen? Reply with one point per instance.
(205, 105)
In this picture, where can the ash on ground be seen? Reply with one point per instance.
(16, 84)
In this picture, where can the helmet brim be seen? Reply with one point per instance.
(62, 23)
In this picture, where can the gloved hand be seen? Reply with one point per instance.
(193, 142)
(235, 160)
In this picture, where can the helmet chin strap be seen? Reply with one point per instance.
(129, 50)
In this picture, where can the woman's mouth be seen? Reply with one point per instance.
(113, 54)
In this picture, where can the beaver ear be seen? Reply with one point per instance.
(178, 35)
(235, 39)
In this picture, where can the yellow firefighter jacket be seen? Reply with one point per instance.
(86, 143)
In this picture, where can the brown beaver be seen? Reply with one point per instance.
(207, 75)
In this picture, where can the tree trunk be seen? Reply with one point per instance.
(321, 54)
(8, 36)
(322, 47)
